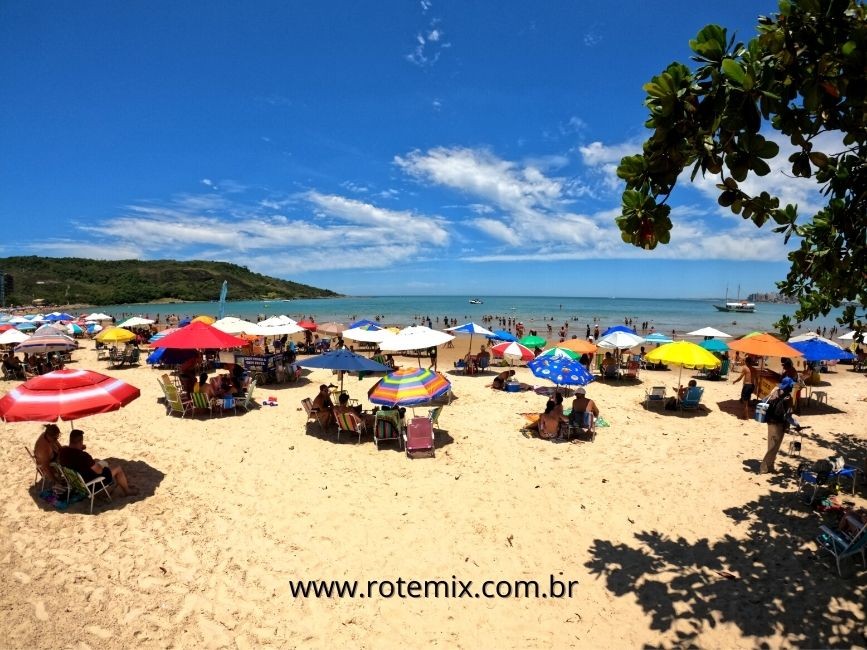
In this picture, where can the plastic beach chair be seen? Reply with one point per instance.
(692, 399)
(841, 546)
(419, 437)
(349, 422)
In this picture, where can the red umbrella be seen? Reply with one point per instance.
(67, 394)
(513, 349)
(199, 336)
(308, 325)
(6, 326)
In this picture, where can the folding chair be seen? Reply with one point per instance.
(348, 422)
(419, 437)
(841, 546)
(75, 483)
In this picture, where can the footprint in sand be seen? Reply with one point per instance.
(23, 578)
(39, 610)
(101, 632)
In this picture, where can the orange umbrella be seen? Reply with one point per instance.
(764, 345)
(578, 345)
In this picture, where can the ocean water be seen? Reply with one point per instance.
(665, 315)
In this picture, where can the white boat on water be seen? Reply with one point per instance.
(741, 306)
(475, 301)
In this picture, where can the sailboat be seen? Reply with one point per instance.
(740, 306)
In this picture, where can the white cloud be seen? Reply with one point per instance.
(429, 44)
(72, 248)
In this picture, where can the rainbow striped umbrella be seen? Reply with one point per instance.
(409, 387)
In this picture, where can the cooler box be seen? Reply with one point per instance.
(513, 387)
(761, 411)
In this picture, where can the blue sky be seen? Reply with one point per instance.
(411, 147)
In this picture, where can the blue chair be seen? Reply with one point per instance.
(841, 546)
(692, 399)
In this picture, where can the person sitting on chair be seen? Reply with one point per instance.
(609, 365)
(47, 449)
(581, 405)
(322, 404)
(483, 359)
(344, 407)
(682, 390)
(76, 458)
(549, 422)
(501, 379)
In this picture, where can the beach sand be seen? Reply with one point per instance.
(671, 535)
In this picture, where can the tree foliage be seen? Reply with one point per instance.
(71, 280)
(804, 74)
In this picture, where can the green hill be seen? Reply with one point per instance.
(73, 280)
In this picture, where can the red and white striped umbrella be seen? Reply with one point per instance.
(67, 394)
(514, 350)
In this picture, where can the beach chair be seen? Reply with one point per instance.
(841, 546)
(655, 395)
(202, 402)
(350, 423)
(632, 369)
(75, 483)
(434, 416)
(483, 362)
(176, 402)
(581, 424)
(610, 372)
(246, 401)
(40, 474)
(419, 438)
(312, 413)
(692, 399)
(387, 426)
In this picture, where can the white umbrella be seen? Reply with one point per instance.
(232, 325)
(711, 332)
(18, 319)
(620, 340)
(812, 336)
(136, 321)
(280, 330)
(12, 336)
(850, 336)
(96, 316)
(51, 330)
(277, 320)
(366, 336)
(414, 338)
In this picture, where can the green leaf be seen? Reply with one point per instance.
(734, 71)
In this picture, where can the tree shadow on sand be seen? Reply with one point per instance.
(766, 581)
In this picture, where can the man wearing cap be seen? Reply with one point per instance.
(778, 419)
(582, 404)
(322, 406)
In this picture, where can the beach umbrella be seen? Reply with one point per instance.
(714, 345)
(136, 321)
(364, 323)
(409, 387)
(763, 345)
(513, 350)
(6, 326)
(332, 328)
(709, 332)
(618, 328)
(470, 328)
(560, 370)
(812, 336)
(92, 328)
(10, 336)
(45, 344)
(55, 316)
(274, 321)
(657, 337)
(199, 336)
(416, 337)
(170, 356)
(67, 394)
(25, 327)
(115, 335)
(683, 353)
(532, 341)
(74, 328)
(366, 335)
(204, 318)
(186, 320)
(51, 330)
(558, 353)
(162, 334)
(279, 330)
(232, 325)
(619, 340)
(502, 335)
(816, 350)
(578, 345)
(344, 361)
(848, 336)
(308, 325)
(97, 316)
(20, 319)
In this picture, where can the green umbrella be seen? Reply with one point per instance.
(532, 342)
(559, 353)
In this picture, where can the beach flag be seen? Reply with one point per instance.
(223, 293)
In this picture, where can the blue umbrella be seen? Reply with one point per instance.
(170, 356)
(185, 321)
(25, 327)
(618, 328)
(658, 337)
(561, 371)
(365, 324)
(502, 335)
(470, 328)
(51, 318)
(714, 345)
(344, 360)
(815, 350)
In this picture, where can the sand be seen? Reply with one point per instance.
(671, 535)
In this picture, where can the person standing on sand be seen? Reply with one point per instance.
(747, 376)
(779, 418)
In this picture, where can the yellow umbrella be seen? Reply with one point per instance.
(114, 335)
(204, 318)
(683, 353)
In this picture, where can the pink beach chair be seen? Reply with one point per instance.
(419, 437)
